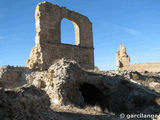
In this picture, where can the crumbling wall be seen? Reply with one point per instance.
(123, 63)
(122, 59)
(141, 67)
(11, 77)
(48, 46)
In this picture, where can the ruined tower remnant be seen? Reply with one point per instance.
(123, 63)
(122, 59)
(48, 46)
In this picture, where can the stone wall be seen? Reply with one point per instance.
(141, 67)
(123, 63)
(11, 76)
(45, 55)
(122, 59)
(48, 46)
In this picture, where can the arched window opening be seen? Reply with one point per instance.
(69, 32)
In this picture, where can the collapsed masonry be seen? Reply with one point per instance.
(123, 63)
(48, 46)
(65, 83)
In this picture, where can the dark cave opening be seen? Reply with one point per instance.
(91, 94)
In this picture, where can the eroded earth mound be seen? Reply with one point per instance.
(67, 92)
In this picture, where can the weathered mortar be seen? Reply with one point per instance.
(48, 38)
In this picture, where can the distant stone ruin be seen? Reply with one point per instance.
(123, 63)
(122, 59)
(48, 46)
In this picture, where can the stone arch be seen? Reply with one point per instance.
(76, 29)
(48, 46)
(48, 22)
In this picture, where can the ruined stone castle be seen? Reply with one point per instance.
(68, 89)
(123, 63)
(48, 46)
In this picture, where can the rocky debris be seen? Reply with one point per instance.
(31, 103)
(36, 58)
(67, 84)
(154, 85)
(105, 93)
(63, 82)
(23, 103)
(135, 75)
(148, 79)
(36, 78)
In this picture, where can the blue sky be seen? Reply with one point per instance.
(134, 23)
